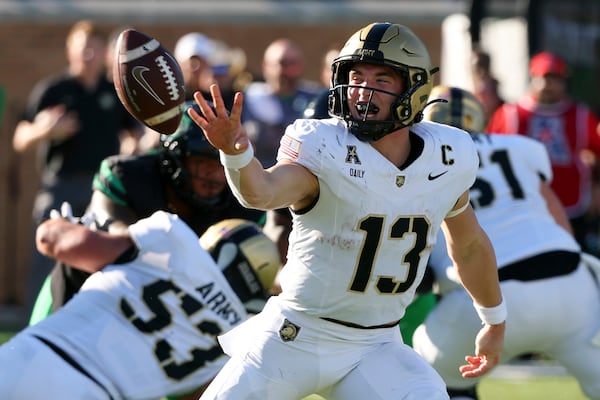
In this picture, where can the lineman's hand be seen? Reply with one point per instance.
(66, 212)
(488, 346)
(223, 130)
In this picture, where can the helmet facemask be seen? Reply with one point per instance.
(389, 45)
(187, 141)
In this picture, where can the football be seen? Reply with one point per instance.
(148, 81)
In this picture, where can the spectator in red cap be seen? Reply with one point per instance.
(547, 63)
(569, 131)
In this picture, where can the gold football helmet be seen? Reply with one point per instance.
(395, 46)
(456, 107)
(248, 258)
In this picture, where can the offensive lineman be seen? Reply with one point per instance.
(146, 326)
(368, 192)
(552, 299)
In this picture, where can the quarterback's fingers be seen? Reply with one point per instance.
(197, 118)
(215, 92)
(236, 108)
(207, 111)
(476, 366)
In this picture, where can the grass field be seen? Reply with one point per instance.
(538, 388)
(502, 388)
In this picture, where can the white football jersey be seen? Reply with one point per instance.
(148, 328)
(360, 251)
(507, 201)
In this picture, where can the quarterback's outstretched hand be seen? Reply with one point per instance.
(223, 130)
(488, 346)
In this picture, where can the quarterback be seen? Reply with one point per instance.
(368, 190)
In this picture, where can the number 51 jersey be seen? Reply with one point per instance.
(507, 200)
(360, 251)
(509, 206)
(148, 328)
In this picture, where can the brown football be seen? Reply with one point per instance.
(148, 81)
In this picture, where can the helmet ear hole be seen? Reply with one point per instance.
(419, 77)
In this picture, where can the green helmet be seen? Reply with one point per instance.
(187, 141)
(395, 46)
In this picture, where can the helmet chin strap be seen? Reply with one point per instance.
(370, 131)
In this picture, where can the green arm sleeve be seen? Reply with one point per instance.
(43, 303)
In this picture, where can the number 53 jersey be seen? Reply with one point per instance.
(359, 252)
(148, 328)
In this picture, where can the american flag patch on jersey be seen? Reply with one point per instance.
(290, 146)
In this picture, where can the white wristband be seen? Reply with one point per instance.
(237, 161)
(492, 315)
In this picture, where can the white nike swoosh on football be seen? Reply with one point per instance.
(138, 74)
